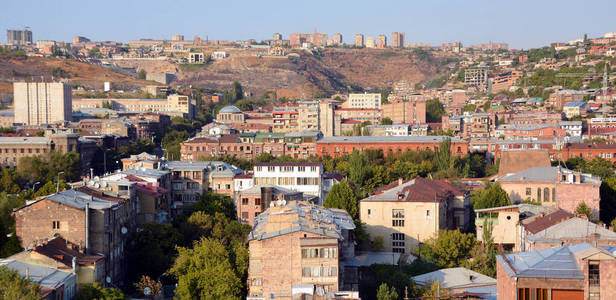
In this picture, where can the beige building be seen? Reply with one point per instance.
(381, 41)
(230, 114)
(174, 105)
(359, 40)
(298, 248)
(196, 58)
(370, 42)
(329, 122)
(39, 103)
(406, 213)
(12, 149)
(308, 115)
(365, 100)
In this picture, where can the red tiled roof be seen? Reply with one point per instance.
(63, 251)
(98, 194)
(540, 222)
(591, 146)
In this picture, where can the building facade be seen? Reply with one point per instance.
(38, 103)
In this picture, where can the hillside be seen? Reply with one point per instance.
(35, 68)
(328, 70)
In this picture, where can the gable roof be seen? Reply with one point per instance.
(61, 250)
(455, 278)
(415, 190)
(572, 228)
(541, 222)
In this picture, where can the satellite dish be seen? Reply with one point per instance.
(124, 230)
(108, 279)
(320, 291)
(97, 185)
(91, 182)
(284, 202)
(147, 291)
(103, 183)
(279, 203)
(272, 204)
(96, 178)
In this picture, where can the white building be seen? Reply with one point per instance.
(366, 100)
(302, 177)
(216, 55)
(397, 130)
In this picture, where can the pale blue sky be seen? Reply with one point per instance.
(522, 24)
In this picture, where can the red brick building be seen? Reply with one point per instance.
(255, 200)
(340, 145)
(569, 272)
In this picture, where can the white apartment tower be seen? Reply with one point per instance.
(39, 103)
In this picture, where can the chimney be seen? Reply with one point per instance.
(400, 181)
(74, 264)
(594, 238)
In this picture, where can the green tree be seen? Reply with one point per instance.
(386, 121)
(449, 249)
(433, 289)
(358, 170)
(484, 255)
(171, 143)
(583, 209)
(206, 272)
(13, 286)
(151, 251)
(141, 74)
(45, 167)
(377, 243)
(492, 196)
(443, 155)
(154, 287)
(342, 196)
(386, 293)
(434, 111)
(469, 108)
(236, 91)
(96, 291)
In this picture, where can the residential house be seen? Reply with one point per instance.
(54, 284)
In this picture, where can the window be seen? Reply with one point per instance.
(245, 215)
(397, 223)
(546, 194)
(56, 224)
(528, 191)
(257, 201)
(397, 239)
(539, 194)
(593, 273)
(553, 195)
(397, 213)
(369, 211)
(271, 169)
(524, 294)
(302, 168)
(244, 201)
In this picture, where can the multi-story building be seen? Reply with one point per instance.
(397, 40)
(554, 186)
(365, 100)
(358, 40)
(476, 77)
(406, 213)
(285, 118)
(559, 99)
(308, 117)
(329, 120)
(381, 41)
(340, 145)
(302, 177)
(176, 105)
(12, 149)
(410, 112)
(503, 81)
(312, 241)
(581, 271)
(53, 284)
(337, 39)
(373, 115)
(250, 202)
(98, 224)
(38, 103)
(18, 37)
(370, 42)
(575, 109)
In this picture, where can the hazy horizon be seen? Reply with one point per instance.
(523, 24)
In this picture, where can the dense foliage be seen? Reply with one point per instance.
(13, 286)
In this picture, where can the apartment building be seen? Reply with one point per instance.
(575, 109)
(38, 103)
(370, 42)
(302, 177)
(559, 99)
(373, 115)
(12, 149)
(581, 271)
(337, 39)
(176, 105)
(503, 81)
(476, 77)
(99, 224)
(312, 241)
(381, 41)
(397, 39)
(365, 100)
(17, 37)
(250, 202)
(406, 213)
(358, 40)
(554, 186)
(285, 118)
(410, 112)
(329, 120)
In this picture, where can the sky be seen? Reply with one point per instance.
(523, 24)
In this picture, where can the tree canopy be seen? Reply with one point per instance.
(434, 111)
(342, 196)
(13, 286)
(449, 249)
(492, 196)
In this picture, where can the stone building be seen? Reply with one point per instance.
(255, 200)
(299, 247)
(230, 114)
(98, 224)
(406, 213)
(38, 103)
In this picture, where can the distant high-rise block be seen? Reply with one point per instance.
(177, 37)
(277, 36)
(337, 38)
(381, 41)
(39, 103)
(370, 42)
(397, 40)
(359, 40)
(19, 37)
